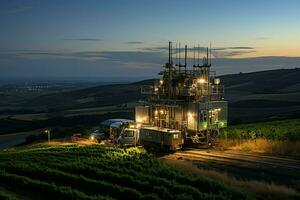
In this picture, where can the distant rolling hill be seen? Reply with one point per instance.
(104, 95)
(263, 95)
(252, 97)
(87, 98)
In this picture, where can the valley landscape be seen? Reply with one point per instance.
(149, 100)
(270, 95)
(268, 133)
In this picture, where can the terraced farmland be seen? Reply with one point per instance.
(94, 172)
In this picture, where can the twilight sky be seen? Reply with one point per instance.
(122, 38)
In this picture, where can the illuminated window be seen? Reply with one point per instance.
(129, 133)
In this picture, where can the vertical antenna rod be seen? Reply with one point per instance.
(207, 56)
(169, 52)
(179, 56)
(185, 59)
(194, 56)
(185, 55)
(210, 54)
(179, 65)
(198, 54)
(176, 52)
(169, 70)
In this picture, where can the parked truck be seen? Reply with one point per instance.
(160, 138)
(129, 133)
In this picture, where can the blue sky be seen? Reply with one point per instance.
(125, 38)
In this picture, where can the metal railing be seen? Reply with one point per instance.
(147, 89)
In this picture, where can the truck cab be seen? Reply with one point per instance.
(129, 136)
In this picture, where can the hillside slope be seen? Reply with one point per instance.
(263, 95)
(252, 96)
(94, 172)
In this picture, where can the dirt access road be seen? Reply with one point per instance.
(283, 171)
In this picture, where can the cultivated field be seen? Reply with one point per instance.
(94, 172)
(280, 137)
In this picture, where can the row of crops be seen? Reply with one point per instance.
(94, 172)
(6, 195)
(280, 130)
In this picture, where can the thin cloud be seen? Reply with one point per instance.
(84, 39)
(262, 38)
(126, 56)
(201, 49)
(148, 61)
(228, 54)
(135, 42)
(121, 56)
(160, 49)
(232, 48)
(153, 48)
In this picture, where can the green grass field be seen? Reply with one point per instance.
(274, 130)
(275, 137)
(94, 172)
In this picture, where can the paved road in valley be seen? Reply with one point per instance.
(10, 140)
